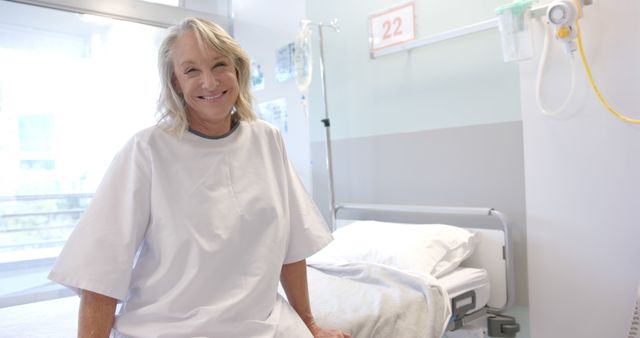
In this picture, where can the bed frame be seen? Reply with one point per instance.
(494, 254)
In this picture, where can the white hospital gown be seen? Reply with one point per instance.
(211, 222)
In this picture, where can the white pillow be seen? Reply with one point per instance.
(434, 249)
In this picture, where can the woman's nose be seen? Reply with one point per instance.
(210, 81)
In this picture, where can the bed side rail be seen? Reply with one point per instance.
(504, 225)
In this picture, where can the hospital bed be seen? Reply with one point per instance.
(374, 279)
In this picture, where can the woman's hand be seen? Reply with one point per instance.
(294, 282)
(319, 332)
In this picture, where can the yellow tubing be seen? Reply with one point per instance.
(593, 84)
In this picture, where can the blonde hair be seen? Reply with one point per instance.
(171, 112)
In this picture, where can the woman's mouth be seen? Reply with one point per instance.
(212, 97)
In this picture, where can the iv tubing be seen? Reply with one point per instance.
(541, 66)
(593, 84)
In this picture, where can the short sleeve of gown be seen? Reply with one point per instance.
(99, 254)
(309, 232)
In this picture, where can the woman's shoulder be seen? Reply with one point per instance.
(143, 138)
(259, 124)
(262, 128)
(146, 132)
(143, 135)
(156, 132)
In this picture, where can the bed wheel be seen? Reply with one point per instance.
(502, 326)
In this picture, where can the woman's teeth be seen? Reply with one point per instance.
(212, 97)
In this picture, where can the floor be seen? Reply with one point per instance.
(58, 319)
(521, 313)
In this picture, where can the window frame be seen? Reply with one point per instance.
(138, 11)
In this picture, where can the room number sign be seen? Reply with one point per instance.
(392, 26)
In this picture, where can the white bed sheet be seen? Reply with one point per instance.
(464, 279)
(376, 301)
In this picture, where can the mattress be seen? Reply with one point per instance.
(465, 279)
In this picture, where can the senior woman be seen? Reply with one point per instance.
(199, 217)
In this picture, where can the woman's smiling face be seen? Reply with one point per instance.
(207, 80)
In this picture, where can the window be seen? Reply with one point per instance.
(174, 3)
(205, 6)
(73, 89)
(35, 132)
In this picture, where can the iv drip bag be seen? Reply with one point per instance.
(302, 58)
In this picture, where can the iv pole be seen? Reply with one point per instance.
(326, 121)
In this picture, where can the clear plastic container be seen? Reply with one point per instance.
(514, 21)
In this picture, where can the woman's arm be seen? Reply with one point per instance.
(96, 315)
(294, 282)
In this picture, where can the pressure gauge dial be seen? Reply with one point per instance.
(561, 13)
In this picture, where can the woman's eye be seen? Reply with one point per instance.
(190, 70)
(218, 65)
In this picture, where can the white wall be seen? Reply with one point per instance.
(431, 87)
(430, 125)
(262, 27)
(582, 184)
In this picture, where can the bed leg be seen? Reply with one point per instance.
(502, 326)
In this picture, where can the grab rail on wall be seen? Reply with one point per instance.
(454, 33)
(447, 35)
